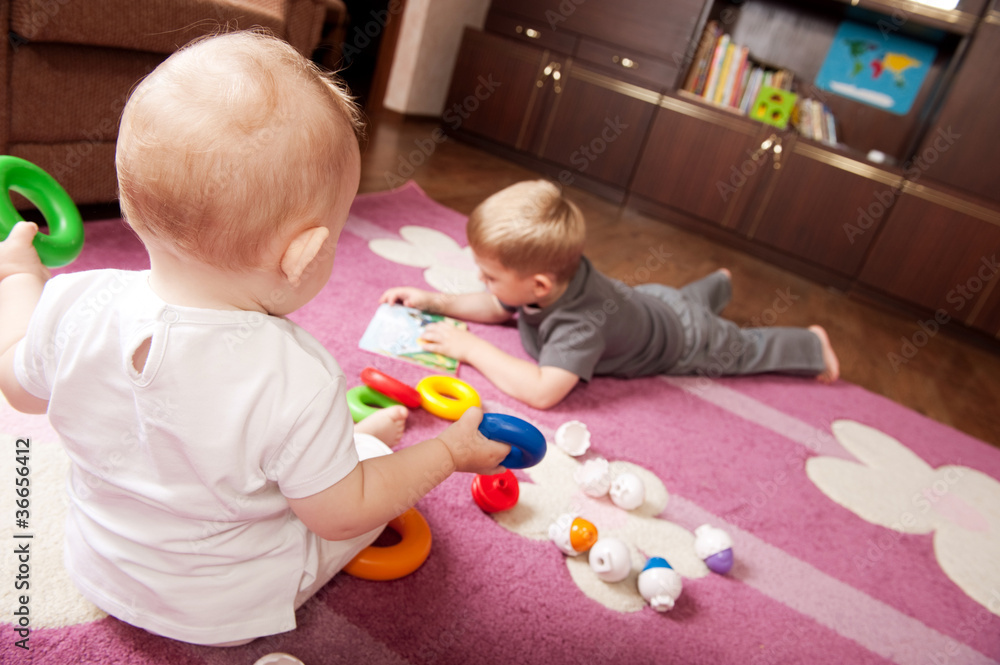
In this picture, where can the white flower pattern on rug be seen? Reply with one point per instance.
(553, 492)
(894, 488)
(449, 267)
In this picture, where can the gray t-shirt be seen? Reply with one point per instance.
(602, 326)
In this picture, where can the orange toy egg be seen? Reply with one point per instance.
(582, 534)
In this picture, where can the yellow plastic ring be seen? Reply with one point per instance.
(390, 563)
(446, 396)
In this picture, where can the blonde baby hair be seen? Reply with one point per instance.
(229, 141)
(529, 227)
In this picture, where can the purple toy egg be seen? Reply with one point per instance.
(720, 562)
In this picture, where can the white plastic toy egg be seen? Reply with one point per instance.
(573, 438)
(610, 559)
(714, 547)
(660, 585)
(627, 491)
(594, 477)
(572, 534)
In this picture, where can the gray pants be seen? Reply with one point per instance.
(714, 346)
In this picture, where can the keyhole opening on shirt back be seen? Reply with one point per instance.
(141, 355)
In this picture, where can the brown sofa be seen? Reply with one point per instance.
(68, 66)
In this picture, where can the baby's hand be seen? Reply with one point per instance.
(18, 255)
(449, 340)
(409, 297)
(471, 451)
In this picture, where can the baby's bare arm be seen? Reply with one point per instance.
(22, 278)
(381, 488)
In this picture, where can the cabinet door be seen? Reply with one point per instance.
(940, 252)
(495, 88)
(596, 126)
(962, 146)
(701, 162)
(823, 208)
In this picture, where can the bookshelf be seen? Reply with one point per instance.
(853, 202)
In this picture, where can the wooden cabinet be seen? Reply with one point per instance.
(497, 89)
(604, 142)
(961, 147)
(577, 83)
(701, 161)
(822, 207)
(939, 251)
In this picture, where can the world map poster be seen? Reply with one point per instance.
(876, 67)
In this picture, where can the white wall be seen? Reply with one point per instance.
(426, 52)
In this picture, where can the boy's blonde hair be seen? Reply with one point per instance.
(227, 142)
(529, 227)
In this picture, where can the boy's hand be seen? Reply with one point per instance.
(408, 296)
(18, 255)
(449, 340)
(470, 450)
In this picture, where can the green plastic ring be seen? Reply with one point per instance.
(64, 240)
(363, 402)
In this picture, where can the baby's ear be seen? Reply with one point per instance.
(301, 251)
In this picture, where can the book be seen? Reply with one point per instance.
(742, 56)
(395, 331)
(713, 72)
(699, 63)
(725, 80)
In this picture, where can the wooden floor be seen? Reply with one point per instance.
(950, 379)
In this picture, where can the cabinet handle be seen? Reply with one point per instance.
(773, 144)
(530, 33)
(627, 63)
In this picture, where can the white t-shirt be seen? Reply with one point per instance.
(178, 521)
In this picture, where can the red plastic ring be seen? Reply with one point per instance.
(390, 387)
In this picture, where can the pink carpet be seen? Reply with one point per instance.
(884, 548)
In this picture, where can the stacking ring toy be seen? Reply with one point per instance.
(64, 240)
(390, 387)
(446, 396)
(399, 560)
(363, 402)
(527, 445)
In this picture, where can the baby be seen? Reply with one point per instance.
(576, 323)
(217, 481)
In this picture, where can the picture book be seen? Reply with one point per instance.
(395, 331)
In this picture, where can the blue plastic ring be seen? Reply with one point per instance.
(526, 442)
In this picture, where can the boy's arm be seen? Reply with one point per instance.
(538, 387)
(381, 488)
(480, 307)
(22, 278)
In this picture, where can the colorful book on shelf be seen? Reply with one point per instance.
(702, 56)
(395, 331)
(725, 75)
(708, 92)
(739, 78)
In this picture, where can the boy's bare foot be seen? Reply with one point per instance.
(386, 425)
(832, 371)
(727, 273)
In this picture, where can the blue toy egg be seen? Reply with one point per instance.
(720, 562)
(657, 562)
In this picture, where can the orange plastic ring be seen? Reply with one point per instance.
(390, 563)
(446, 396)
